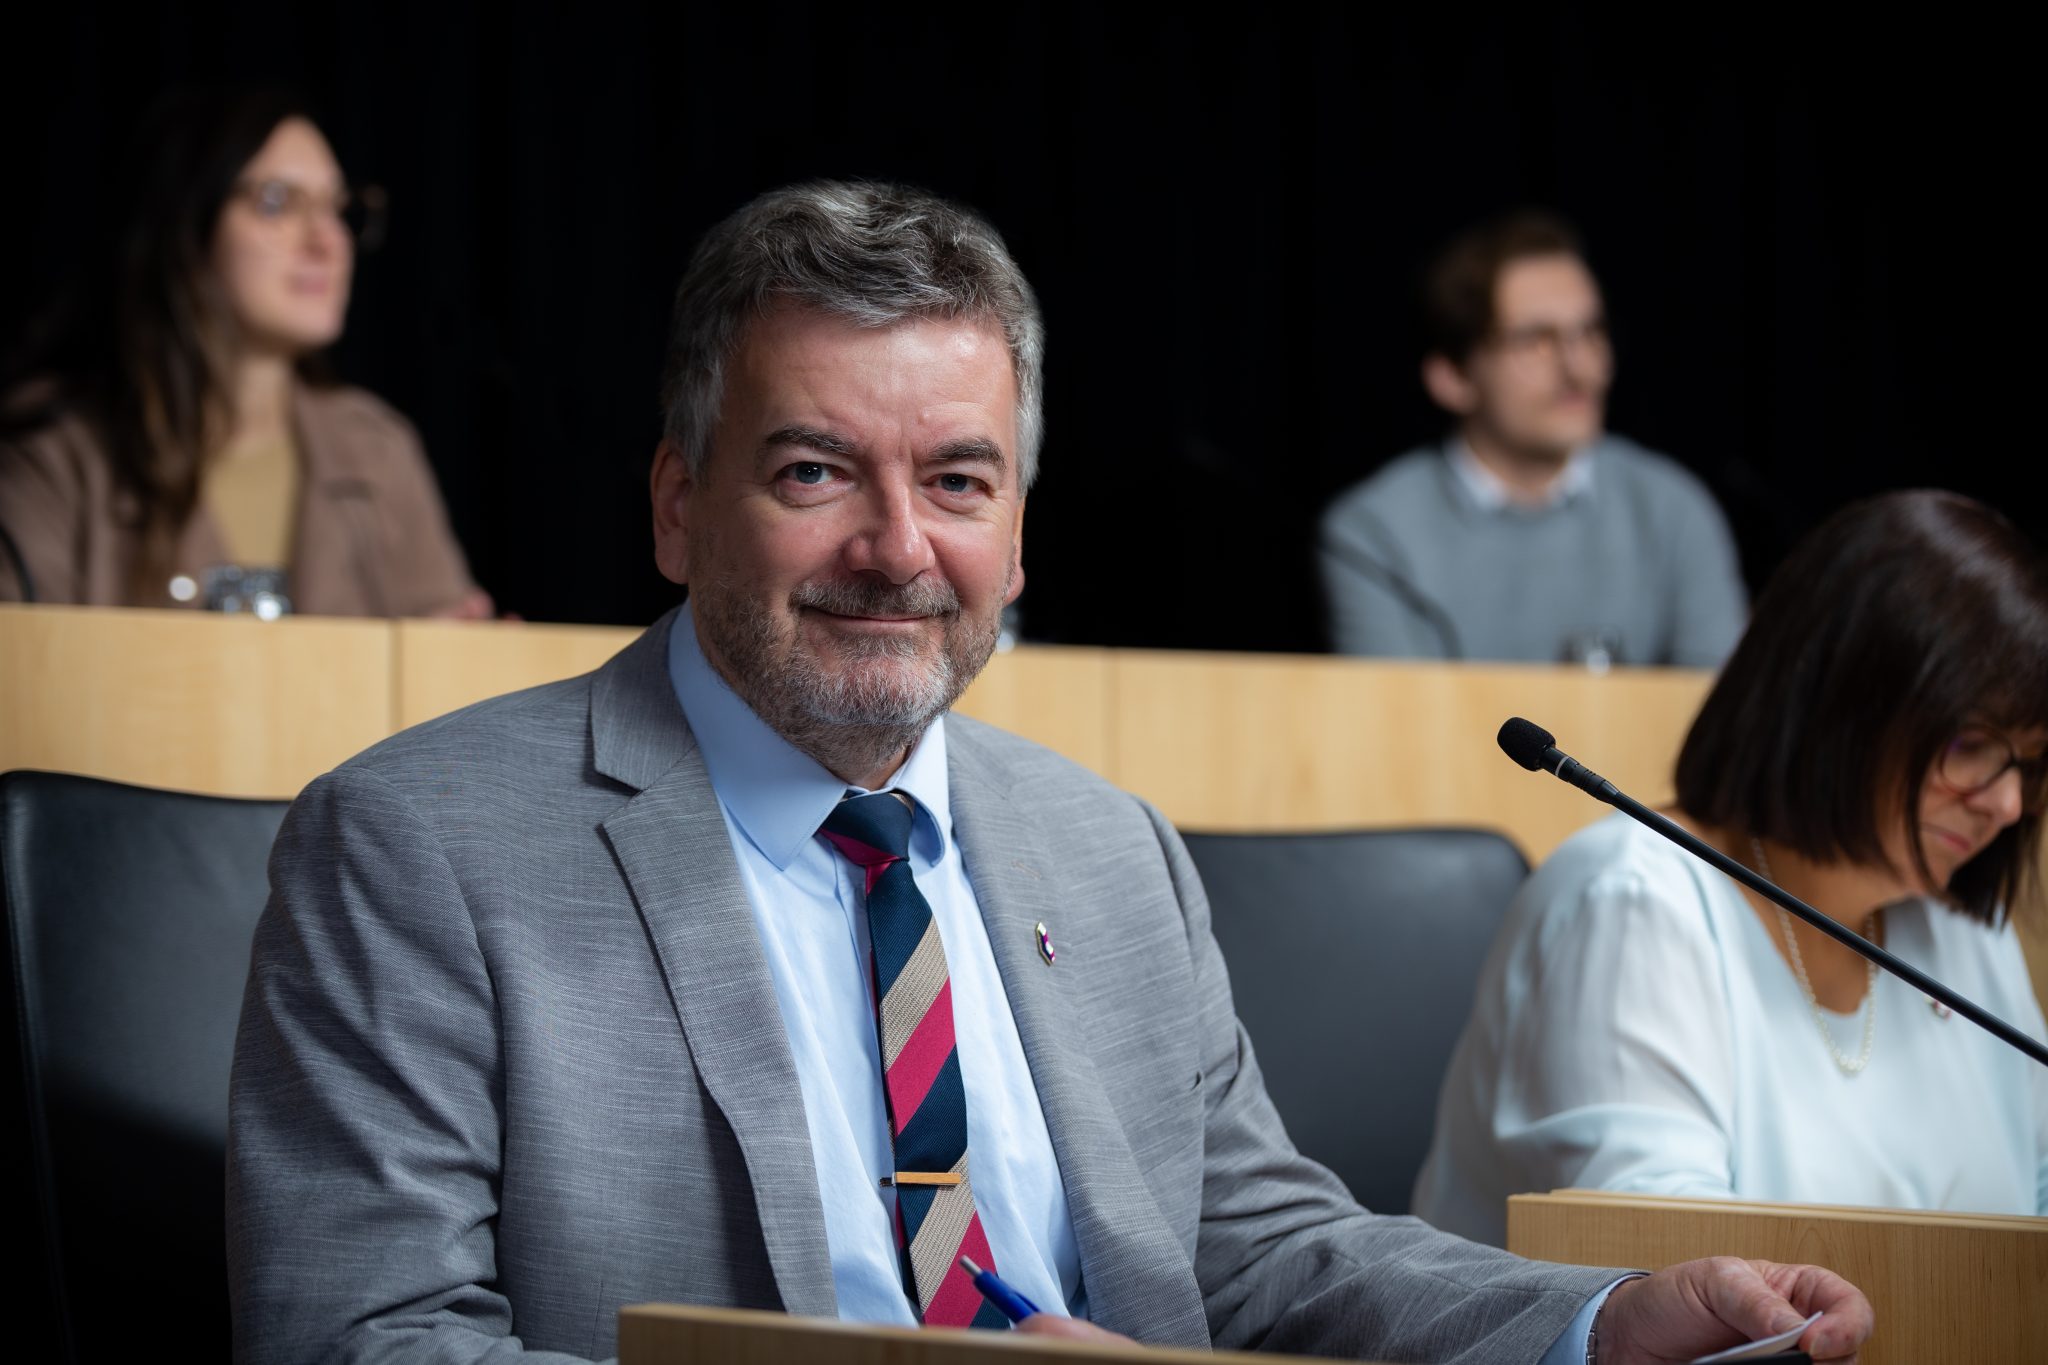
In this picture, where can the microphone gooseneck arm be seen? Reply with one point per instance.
(1418, 603)
(1533, 747)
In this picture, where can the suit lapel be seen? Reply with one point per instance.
(671, 843)
(1135, 1269)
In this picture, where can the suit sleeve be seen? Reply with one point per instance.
(1287, 1261)
(365, 1131)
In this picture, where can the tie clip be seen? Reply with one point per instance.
(923, 1178)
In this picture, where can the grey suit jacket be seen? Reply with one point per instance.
(510, 1058)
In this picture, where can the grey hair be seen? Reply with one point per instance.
(873, 254)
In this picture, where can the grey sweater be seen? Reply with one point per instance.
(1639, 564)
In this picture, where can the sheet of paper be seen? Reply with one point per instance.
(1769, 1346)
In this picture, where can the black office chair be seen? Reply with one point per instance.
(129, 917)
(1353, 957)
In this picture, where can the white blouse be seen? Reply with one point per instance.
(1635, 1029)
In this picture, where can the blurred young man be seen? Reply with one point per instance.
(1529, 533)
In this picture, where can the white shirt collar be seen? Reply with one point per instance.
(1492, 493)
(777, 794)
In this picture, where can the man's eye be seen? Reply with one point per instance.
(809, 472)
(958, 483)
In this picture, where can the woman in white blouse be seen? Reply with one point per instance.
(1875, 746)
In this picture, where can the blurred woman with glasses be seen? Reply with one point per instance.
(175, 442)
(1875, 746)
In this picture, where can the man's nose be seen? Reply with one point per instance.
(1585, 356)
(892, 542)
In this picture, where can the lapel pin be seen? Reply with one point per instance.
(1045, 949)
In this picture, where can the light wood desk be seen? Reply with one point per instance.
(1293, 742)
(670, 1334)
(1968, 1288)
(1218, 741)
(241, 707)
(190, 700)
(1056, 695)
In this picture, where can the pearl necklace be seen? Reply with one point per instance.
(1849, 1066)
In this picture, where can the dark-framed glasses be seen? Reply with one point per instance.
(359, 208)
(1545, 343)
(1979, 755)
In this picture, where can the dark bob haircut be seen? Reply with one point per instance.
(1898, 621)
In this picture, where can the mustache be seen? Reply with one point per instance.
(869, 597)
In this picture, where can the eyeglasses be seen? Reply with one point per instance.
(1546, 344)
(1979, 755)
(361, 210)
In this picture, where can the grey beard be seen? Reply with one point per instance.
(855, 721)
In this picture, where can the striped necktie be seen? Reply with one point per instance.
(936, 1222)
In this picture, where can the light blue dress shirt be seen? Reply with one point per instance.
(812, 919)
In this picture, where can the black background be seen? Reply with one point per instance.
(1809, 228)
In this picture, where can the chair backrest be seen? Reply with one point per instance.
(1353, 957)
(129, 918)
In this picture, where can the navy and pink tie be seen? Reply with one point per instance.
(936, 1222)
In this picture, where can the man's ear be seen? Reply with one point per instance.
(669, 486)
(1449, 386)
(1016, 559)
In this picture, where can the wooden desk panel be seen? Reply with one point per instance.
(1946, 1286)
(1249, 742)
(190, 700)
(240, 707)
(672, 1334)
(442, 666)
(1056, 695)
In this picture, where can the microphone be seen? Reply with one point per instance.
(1534, 747)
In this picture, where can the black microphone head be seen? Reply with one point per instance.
(1524, 741)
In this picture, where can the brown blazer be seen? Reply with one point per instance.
(372, 537)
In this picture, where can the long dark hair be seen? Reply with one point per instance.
(1898, 621)
(143, 352)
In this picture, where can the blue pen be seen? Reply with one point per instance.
(1014, 1305)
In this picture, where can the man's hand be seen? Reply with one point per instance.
(1073, 1329)
(1698, 1307)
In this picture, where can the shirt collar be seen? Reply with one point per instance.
(1491, 492)
(777, 794)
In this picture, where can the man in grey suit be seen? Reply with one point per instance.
(586, 996)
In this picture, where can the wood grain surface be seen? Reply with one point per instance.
(671, 1334)
(194, 701)
(1217, 741)
(1948, 1287)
